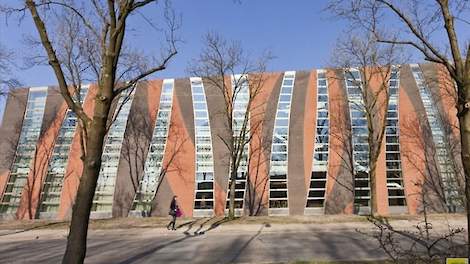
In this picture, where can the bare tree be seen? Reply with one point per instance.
(174, 146)
(94, 48)
(443, 92)
(34, 182)
(220, 60)
(257, 181)
(368, 66)
(422, 155)
(341, 146)
(422, 244)
(6, 81)
(433, 28)
(6, 64)
(134, 145)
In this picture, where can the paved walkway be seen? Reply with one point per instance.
(196, 243)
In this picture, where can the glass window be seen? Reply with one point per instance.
(282, 122)
(200, 114)
(284, 98)
(323, 98)
(279, 157)
(286, 90)
(199, 106)
(288, 82)
(278, 194)
(321, 156)
(359, 122)
(394, 147)
(322, 139)
(317, 184)
(322, 114)
(278, 176)
(322, 90)
(202, 122)
(281, 131)
(284, 106)
(358, 114)
(197, 90)
(282, 114)
(28, 137)
(279, 148)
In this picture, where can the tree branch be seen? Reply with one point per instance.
(54, 62)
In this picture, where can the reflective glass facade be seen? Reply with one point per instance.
(204, 188)
(239, 113)
(317, 187)
(153, 163)
(444, 157)
(26, 149)
(104, 193)
(52, 188)
(395, 187)
(278, 198)
(359, 136)
(313, 186)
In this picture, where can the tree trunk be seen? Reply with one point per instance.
(464, 122)
(77, 238)
(231, 211)
(373, 187)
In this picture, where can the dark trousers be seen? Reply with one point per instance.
(172, 222)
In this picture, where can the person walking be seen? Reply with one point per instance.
(174, 211)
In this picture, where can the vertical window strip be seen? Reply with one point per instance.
(444, 157)
(395, 188)
(359, 137)
(104, 194)
(239, 112)
(26, 149)
(51, 191)
(153, 163)
(278, 196)
(204, 178)
(316, 191)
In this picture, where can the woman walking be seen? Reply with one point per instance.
(174, 212)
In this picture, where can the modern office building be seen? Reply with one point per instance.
(308, 153)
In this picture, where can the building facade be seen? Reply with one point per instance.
(308, 153)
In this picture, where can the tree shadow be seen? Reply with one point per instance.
(245, 245)
(33, 228)
(187, 235)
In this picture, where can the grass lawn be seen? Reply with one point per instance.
(343, 262)
(155, 222)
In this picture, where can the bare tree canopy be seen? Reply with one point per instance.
(6, 64)
(435, 28)
(222, 59)
(85, 41)
(368, 66)
(438, 30)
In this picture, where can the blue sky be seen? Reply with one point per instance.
(298, 33)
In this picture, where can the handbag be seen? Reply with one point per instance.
(171, 212)
(178, 212)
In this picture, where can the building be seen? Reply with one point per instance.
(166, 140)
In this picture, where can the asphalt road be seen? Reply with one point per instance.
(193, 243)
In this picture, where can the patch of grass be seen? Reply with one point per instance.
(343, 262)
(383, 261)
(157, 222)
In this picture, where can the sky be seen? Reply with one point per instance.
(299, 35)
